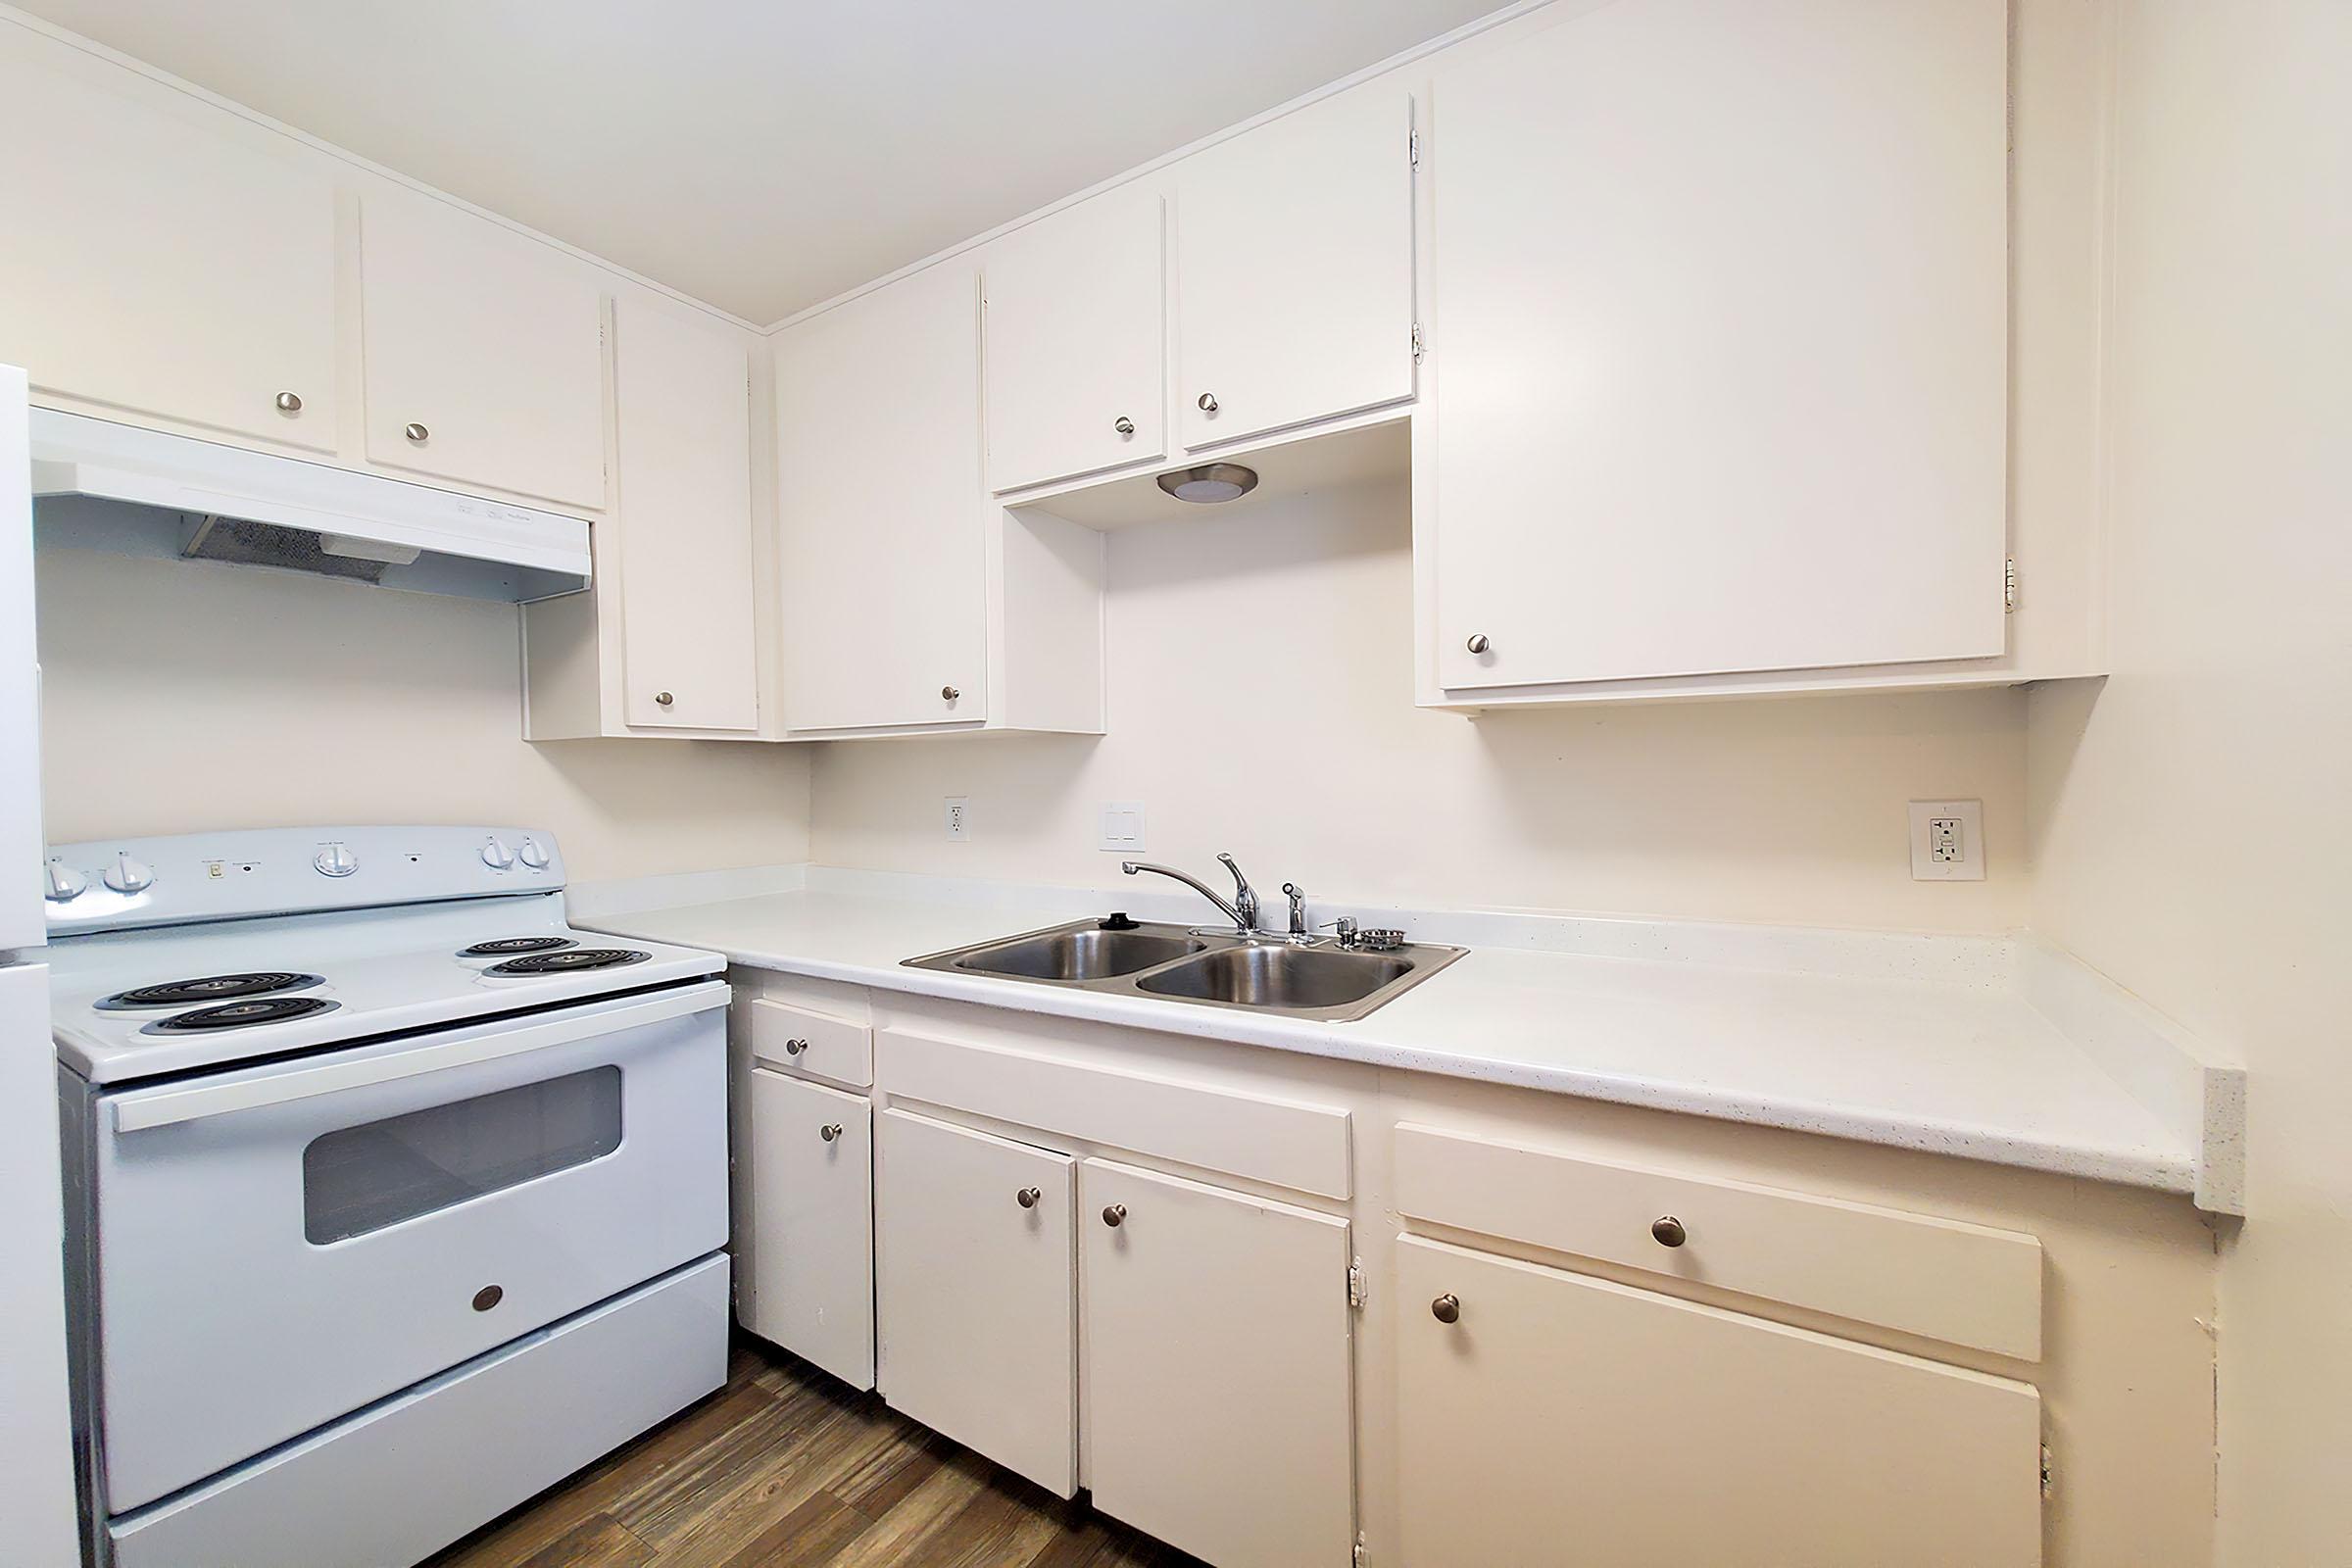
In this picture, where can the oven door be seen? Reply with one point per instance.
(279, 1245)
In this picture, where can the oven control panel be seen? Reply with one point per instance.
(123, 884)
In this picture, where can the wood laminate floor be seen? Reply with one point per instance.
(785, 1467)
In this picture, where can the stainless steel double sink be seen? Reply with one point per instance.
(1259, 973)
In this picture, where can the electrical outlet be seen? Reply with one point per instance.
(1122, 825)
(1948, 840)
(959, 814)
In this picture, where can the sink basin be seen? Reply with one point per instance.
(1084, 954)
(1166, 963)
(1278, 977)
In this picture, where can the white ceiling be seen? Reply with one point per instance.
(760, 156)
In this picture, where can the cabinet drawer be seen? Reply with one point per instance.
(794, 1040)
(1303, 1147)
(1948, 1280)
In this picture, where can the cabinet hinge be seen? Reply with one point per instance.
(1362, 1553)
(1412, 149)
(1417, 343)
(2047, 1480)
(2009, 585)
(1356, 1284)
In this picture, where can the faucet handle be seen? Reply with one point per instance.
(1344, 928)
(1245, 895)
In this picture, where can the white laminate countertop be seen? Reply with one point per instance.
(1925, 1043)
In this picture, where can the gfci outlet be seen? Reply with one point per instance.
(959, 813)
(1948, 840)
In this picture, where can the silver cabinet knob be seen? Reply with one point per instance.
(829, 1131)
(1667, 1231)
(1114, 1215)
(415, 433)
(1027, 1196)
(1447, 1308)
(288, 402)
(1208, 403)
(949, 694)
(1123, 424)
(793, 1048)
(663, 697)
(1478, 643)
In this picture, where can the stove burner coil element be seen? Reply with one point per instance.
(212, 988)
(568, 961)
(505, 946)
(240, 1015)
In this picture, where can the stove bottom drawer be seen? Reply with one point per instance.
(391, 1486)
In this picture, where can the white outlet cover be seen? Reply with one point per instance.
(1122, 827)
(959, 815)
(1959, 828)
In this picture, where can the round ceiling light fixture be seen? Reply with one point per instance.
(1211, 482)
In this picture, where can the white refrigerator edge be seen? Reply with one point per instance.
(37, 1517)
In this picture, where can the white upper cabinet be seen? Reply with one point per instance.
(484, 352)
(684, 518)
(1295, 269)
(880, 507)
(1076, 341)
(158, 262)
(1720, 317)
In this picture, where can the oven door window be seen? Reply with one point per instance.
(360, 1179)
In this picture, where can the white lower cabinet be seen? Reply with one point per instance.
(1219, 1404)
(811, 1276)
(975, 1292)
(1544, 1416)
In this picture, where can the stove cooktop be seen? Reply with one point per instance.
(136, 1005)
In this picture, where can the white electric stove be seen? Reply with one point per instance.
(391, 1199)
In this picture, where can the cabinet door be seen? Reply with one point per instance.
(812, 1216)
(485, 354)
(157, 264)
(1220, 1400)
(976, 1293)
(1647, 1430)
(878, 487)
(684, 519)
(1076, 341)
(1295, 269)
(1720, 324)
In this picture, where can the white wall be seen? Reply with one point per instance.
(2191, 820)
(183, 696)
(1261, 702)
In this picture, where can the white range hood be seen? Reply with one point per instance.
(104, 486)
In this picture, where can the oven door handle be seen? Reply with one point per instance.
(199, 1100)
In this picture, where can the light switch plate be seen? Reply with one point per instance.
(1122, 827)
(1948, 840)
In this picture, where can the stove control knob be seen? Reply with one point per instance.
(534, 855)
(335, 860)
(496, 855)
(128, 875)
(63, 884)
